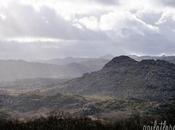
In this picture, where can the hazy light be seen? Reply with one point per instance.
(32, 39)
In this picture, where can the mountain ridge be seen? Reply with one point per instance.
(127, 78)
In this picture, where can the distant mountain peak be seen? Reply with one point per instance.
(156, 62)
(120, 61)
(148, 62)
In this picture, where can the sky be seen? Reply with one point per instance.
(45, 29)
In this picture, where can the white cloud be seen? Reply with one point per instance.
(111, 20)
(122, 20)
(167, 15)
(2, 17)
(68, 9)
(24, 21)
(90, 22)
(86, 27)
(32, 39)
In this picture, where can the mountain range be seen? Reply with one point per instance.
(60, 68)
(120, 88)
(11, 70)
(170, 59)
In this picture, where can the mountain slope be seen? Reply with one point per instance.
(124, 77)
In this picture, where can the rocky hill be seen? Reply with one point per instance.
(124, 77)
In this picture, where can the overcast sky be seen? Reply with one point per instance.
(43, 29)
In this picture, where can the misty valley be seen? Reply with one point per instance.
(87, 64)
(123, 92)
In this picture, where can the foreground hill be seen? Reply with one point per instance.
(124, 77)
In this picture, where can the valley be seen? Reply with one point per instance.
(122, 88)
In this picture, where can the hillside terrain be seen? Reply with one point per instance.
(124, 77)
(122, 88)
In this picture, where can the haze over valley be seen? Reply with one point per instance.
(87, 64)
